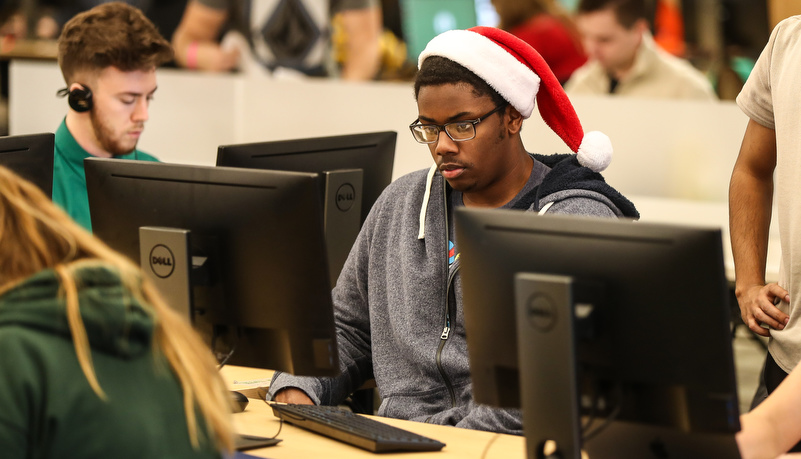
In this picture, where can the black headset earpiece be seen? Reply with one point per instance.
(79, 99)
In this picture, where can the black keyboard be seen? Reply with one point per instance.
(348, 427)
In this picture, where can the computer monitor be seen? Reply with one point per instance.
(611, 319)
(357, 168)
(422, 20)
(31, 157)
(257, 283)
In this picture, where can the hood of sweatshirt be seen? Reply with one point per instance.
(116, 323)
(565, 174)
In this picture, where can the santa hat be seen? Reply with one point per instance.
(520, 75)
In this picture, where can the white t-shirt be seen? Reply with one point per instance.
(772, 97)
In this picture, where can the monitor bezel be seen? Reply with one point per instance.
(31, 156)
(234, 211)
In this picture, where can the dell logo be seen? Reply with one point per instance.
(541, 312)
(162, 261)
(345, 197)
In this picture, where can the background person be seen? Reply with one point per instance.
(773, 427)
(108, 56)
(767, 170)
(547, 28)
(625, 61)
(279, 37)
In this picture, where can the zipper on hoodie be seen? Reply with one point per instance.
(446, 330)
(442, 340)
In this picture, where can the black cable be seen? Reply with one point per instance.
(227, 357)
(593, 404)
(489, 443)
(280, 423)
(586, 436)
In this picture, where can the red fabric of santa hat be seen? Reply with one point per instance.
(520, 75)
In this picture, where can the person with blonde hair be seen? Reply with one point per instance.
(95, 363)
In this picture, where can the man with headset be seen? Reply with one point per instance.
(108, 56)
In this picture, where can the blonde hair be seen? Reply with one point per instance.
(36, 235)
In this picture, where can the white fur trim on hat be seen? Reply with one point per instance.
(512, 79)
(595, 151)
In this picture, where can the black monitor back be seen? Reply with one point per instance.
(355, 169)
(373, 153)
(31, 157)
(656, 343)
(259, 238)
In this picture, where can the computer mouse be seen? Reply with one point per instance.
(240, 401)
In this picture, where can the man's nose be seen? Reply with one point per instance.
(445, 145)
(141, 110)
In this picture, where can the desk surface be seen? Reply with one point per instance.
(257, 419)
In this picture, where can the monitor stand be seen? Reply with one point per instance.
(555, 316)
(547, 358)
(166, 261)
(342, 216)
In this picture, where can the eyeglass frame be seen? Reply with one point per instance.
(444, 127)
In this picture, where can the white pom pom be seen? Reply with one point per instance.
(595, 151)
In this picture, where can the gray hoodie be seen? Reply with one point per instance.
(393, 298)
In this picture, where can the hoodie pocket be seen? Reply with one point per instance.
(415, 405)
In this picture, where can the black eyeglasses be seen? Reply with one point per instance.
(458, 131)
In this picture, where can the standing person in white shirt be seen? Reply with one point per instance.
(768, 169)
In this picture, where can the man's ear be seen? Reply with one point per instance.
(514, 120)
(641, 26)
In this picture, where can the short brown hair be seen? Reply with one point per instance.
(111, 34)
(627, 12)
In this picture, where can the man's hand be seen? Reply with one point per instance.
(293, 395)
(757, 307)
(215, 58)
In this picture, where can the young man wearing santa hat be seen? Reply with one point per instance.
(398, 299)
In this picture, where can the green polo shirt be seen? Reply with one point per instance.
(69, 181)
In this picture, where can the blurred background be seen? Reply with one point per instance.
(720, 37)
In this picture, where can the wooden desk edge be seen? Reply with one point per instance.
(257, 419)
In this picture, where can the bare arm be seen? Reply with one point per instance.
(750, 204)
(774, 426)
(362, 28)
(194, 39)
